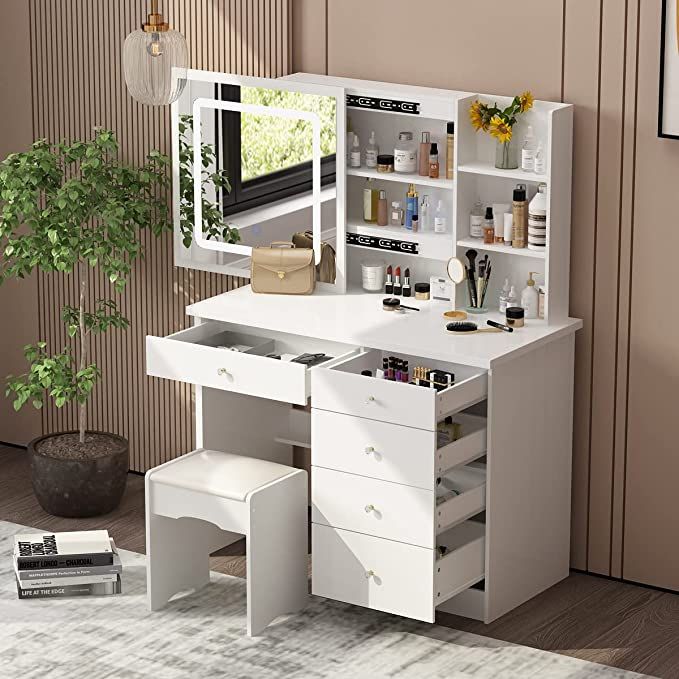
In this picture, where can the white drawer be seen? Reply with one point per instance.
(372, 572)
(464, 564)
(370, 448)
(193, 356)
(472, 444)
(342, 389)
(374, 507)
(470, 483)
(394, 577)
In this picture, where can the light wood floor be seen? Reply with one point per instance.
(596, 619)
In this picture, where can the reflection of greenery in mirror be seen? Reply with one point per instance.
(271, 144)
(214, 226)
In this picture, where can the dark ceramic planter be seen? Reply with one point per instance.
(78, 488)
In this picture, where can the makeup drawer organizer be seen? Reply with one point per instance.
(400, 523)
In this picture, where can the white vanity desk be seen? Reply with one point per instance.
(377, 523)
(374, 443)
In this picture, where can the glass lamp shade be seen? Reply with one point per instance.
(155, 66)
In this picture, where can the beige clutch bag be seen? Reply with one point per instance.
(283, 269)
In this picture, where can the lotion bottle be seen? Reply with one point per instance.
(520, 212)
(540, 165)
(372, 150)
(530, 298)
(504, 296)
(528, 151)
(440, 221)
(355, 155)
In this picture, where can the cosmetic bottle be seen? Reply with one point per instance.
(370, 200)
(396, 217)
(434, 161)
(411, 205)
(355, 155)
(520, 212)
(537, 220)
(440, 219)
(405, 373)
(529, 298)
(405, 290)
(405, 154)
(512, 299)
(425, 150)
(504, 296)
(385, 368)
(528, 151)
(499, 210)
(371, 152)
(415, 223)
(476, 220)
(425, 214)
(488, 227)
(508, 227)
(450, 150)
(540, 165)
(382, 210)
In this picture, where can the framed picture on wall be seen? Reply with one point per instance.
(668, 111)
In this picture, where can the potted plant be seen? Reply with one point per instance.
(69, 208)
(499, 123)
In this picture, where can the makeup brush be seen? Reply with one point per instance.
(471, 274)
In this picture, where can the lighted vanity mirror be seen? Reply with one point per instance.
(255, 162)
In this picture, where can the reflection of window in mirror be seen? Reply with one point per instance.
(268, 158)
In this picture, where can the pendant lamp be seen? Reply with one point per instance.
(155, 59)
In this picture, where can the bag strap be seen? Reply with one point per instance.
(281, 243)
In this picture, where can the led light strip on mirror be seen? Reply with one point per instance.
(313, 118)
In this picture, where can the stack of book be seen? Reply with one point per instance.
(66, 564)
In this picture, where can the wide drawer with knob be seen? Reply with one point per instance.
(200, 355)
(341, 388)
(392, 452)
(395, 511)
(392, 576)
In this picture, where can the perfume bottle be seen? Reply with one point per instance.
(355, 155)
(434, 162)
(476, 220)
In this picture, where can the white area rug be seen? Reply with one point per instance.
(203, 636)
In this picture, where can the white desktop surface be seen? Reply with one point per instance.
(357, 318)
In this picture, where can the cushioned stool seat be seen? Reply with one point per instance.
(201, 502)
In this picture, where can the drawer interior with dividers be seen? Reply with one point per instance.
(342, 388)
(236, 358)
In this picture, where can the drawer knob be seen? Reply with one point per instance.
(369, 449)
(370, 508)
(223, 372)
(369, 574)
(370, 399)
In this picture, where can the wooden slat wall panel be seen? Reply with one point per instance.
(78, 84)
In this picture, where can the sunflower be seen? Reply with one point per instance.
(500, 129)
(476, 116)
(526, 101)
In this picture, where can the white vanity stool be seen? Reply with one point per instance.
(197, 503)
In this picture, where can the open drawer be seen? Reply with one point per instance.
(472, 444)
(467, 486)
(394, 577)
(200, 355)
(341, 388)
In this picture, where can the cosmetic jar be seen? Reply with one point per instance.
(515, 315)
(422, 291)
(372, 275)
(385, 163)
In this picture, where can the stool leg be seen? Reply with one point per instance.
(277, 551)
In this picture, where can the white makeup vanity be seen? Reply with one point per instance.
(379, 516)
